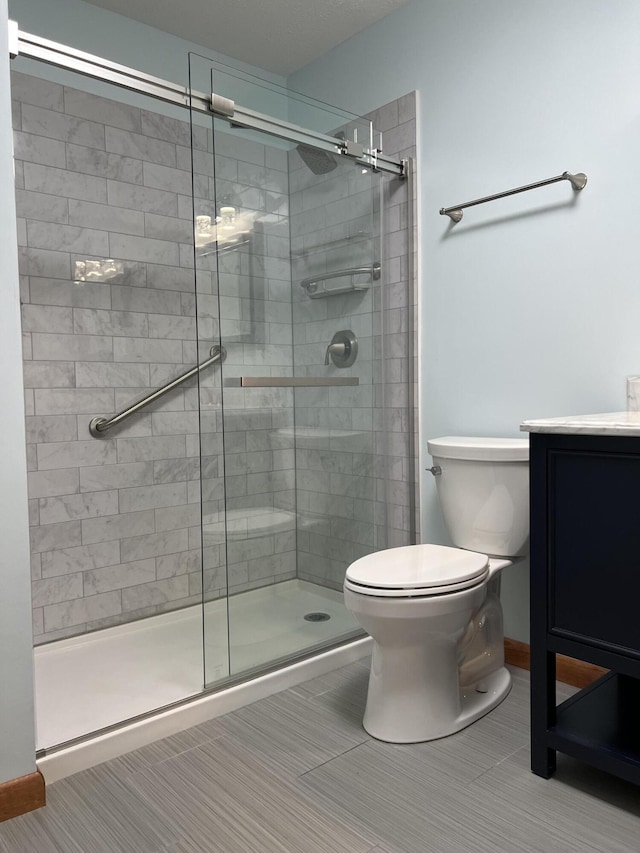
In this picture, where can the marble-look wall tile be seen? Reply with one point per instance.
(43, 207)
(79, 400)
(117, 527)
(64, 561)
(182, 563)
(140, 147)
(119, 577)
(70, 613)
(49, 428)
(63, 588)
(69, 507)
(163, 177)
(43, 484)
(103, 164)
(167, 228)
(122, 375)
(55, 125)
(154, 545)
(72, 347)
(143, 249)
(86, 105)
(171, 327)
(160, 592)
(151, 497)
(106, 218)
(52, 291)
(145, 300)
(167, 128)
(37, 91)
(173, 470)
(146, 350)
(116, 476)
(105, 179)
(46, 179)
(144, 449)
(69, 454)
(45, 374)
(48, 537)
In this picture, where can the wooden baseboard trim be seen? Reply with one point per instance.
(568, 670)
(22, 795)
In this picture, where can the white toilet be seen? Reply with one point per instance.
(434, 612)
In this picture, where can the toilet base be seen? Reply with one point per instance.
(392, 728)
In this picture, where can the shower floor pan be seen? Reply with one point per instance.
(87, 683)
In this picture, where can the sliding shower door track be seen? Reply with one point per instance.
(61, 55)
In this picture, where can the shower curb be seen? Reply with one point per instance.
(66, 761)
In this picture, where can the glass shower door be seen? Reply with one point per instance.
(290, 235)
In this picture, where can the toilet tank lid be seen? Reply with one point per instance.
(480, 449)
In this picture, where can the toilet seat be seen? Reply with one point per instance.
(417, 570)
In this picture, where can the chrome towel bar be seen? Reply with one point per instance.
(99, 426)
(577, 181)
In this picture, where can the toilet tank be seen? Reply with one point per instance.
(483, 489)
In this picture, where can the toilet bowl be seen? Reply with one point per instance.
(433, 611)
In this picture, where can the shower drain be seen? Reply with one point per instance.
(317, 617)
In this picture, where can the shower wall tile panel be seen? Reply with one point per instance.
(356, 477)
(396, 415)
(116, 531)
(255, 327)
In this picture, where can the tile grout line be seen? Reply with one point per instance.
(329, 760)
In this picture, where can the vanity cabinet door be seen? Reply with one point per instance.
(594, 548)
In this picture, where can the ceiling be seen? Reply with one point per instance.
(277, 35)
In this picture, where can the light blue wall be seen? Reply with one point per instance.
(17, 737)
(531, 305)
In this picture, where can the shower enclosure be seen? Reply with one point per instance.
(204, 317)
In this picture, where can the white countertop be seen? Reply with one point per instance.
(611, 423)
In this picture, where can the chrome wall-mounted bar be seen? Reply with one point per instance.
(99, 426)
(54, 53)
(296, 381)
(577, 181)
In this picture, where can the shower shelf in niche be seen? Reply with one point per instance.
(316, 288)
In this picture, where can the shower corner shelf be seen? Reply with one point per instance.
(315, 286)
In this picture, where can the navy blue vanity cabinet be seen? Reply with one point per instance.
(585, 598)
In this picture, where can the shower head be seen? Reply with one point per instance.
(320, 162)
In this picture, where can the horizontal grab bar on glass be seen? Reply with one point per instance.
(295, 381)
(99, 426)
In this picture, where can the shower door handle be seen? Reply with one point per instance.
(294, 381)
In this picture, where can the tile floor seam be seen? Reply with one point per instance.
(288, 784)
(495, 764)
(333, 758)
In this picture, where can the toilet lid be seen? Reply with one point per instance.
(432, 568)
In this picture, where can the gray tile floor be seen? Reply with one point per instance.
(296, 772)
